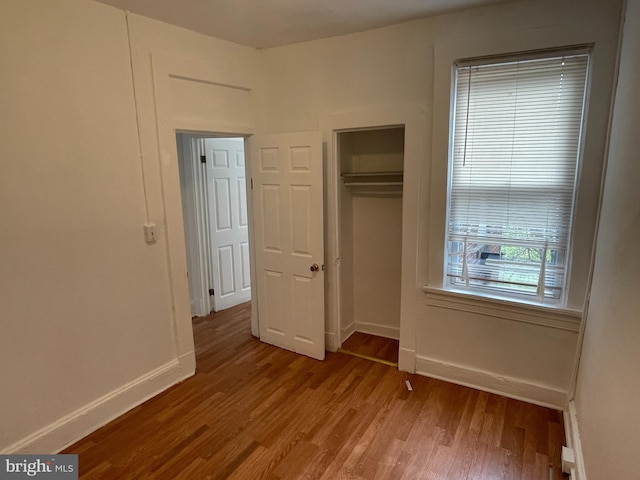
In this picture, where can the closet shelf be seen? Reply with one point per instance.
(372, 184)
(373, 179)
(372, 174)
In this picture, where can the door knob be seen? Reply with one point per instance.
(314, 267)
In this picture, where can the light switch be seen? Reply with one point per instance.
(150, 233)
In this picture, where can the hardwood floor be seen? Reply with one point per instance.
(372, 346)
(253, 411)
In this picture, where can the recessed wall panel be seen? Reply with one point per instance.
(193, 101)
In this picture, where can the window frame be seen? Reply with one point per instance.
(493, 292)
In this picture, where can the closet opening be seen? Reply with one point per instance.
(371, 166)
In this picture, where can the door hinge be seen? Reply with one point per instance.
(203, 159)
(211, 292)
(251, 183)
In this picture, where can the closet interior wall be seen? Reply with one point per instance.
(371, 164)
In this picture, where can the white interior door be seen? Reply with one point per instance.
(289, 243)
(228, 222)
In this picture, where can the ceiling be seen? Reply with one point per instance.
(271, 23)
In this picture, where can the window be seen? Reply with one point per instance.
(514, 156)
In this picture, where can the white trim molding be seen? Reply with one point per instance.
(379, 330)
(330, 342)
(78, 424)
(166, 70)
(346, 332)
(563, 319)
(416, 121)
(407, 360)
(511, 387)
(572, 435)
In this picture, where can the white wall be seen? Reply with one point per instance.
(409, 65)
(377, 258)
(88, 329)
(370, 259)
(608, 388)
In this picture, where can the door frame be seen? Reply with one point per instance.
(198, 236)
(225, 88)
(415, 199)
(195, 212)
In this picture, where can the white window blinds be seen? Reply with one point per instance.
(514, 157)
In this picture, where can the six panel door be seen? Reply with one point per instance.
(288, 211)
(228, 221)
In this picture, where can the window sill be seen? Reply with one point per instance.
(544, 315)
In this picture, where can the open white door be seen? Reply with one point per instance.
(289, 243)
(228, 224)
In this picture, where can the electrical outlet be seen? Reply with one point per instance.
(150, 234)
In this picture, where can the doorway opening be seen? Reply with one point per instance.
(213, 185)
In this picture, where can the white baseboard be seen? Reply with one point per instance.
(572, 434)
(187, 363)
(76, 425)
(490, 382)
(346, 332)
(379, 330)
